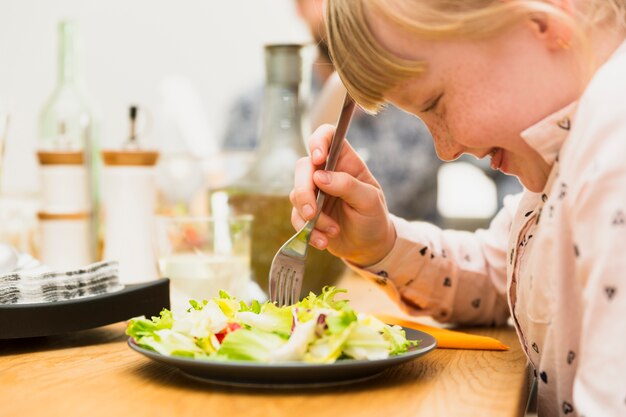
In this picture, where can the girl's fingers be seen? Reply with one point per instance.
(325, 228)
(319, 142)
(303, 195)
(363, 197)
(349, 161)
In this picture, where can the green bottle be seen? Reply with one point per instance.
(66, 121)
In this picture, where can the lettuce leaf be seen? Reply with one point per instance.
(365, 342)
(325, 300)
(297, 345)
(329, 347)
(169, 342)
(270, 319)
(198, 323)
(250, 345)
(140, 326)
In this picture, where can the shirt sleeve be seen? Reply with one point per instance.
(453, 276)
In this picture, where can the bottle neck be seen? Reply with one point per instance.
(281, 122)
(67, 54)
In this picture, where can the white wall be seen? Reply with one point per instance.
(130, 46)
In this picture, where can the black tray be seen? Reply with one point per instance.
(45, 319)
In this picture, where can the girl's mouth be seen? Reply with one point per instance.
(496, 158)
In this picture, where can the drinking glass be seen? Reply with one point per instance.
(203, 255)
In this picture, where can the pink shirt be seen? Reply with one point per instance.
(555, 261)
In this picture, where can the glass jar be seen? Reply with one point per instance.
(264, 190)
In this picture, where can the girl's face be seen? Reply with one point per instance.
(477, 96)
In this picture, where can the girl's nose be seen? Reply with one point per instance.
(447, 148)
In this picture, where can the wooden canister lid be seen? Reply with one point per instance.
(44, 215)
(130, 158)
(61, 158)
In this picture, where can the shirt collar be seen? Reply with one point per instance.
(547, 136)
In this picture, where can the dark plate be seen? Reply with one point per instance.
(289, 375)
(45, 319)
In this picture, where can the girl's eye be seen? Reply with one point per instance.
(433, 104)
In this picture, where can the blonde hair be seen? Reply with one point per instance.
(369, 71)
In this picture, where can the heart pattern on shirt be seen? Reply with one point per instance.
(528, 213)
(618, 218)
(565, 123)
(447, 282)
(423, 250)
(535, 347)
(476, 303)
(562, 191)
(610, 292)
(570, 357)
(544, 377)
(544, 197)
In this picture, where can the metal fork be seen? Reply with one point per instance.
(287, 270)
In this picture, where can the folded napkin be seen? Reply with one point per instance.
(447, 339)
(24, 280)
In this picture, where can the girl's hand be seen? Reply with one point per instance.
(355, 226)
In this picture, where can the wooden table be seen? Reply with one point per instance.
(94, 373)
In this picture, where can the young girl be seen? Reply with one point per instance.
(539, 86)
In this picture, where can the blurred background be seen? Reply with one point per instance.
(134, 52)
(185, 66)
(213, 121)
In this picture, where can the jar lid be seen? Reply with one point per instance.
(43, 215)
(60, 158)
(130, 158)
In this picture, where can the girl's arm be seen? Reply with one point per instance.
(451, 275)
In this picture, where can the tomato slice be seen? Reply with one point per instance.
(230, 327)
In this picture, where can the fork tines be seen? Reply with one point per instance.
(286, 276)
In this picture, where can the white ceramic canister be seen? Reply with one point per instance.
(129, 207)
(64, 182)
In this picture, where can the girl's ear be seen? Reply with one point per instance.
(554, 31)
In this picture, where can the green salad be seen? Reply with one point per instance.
(318, 329)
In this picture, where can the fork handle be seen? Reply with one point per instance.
(333, 154)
